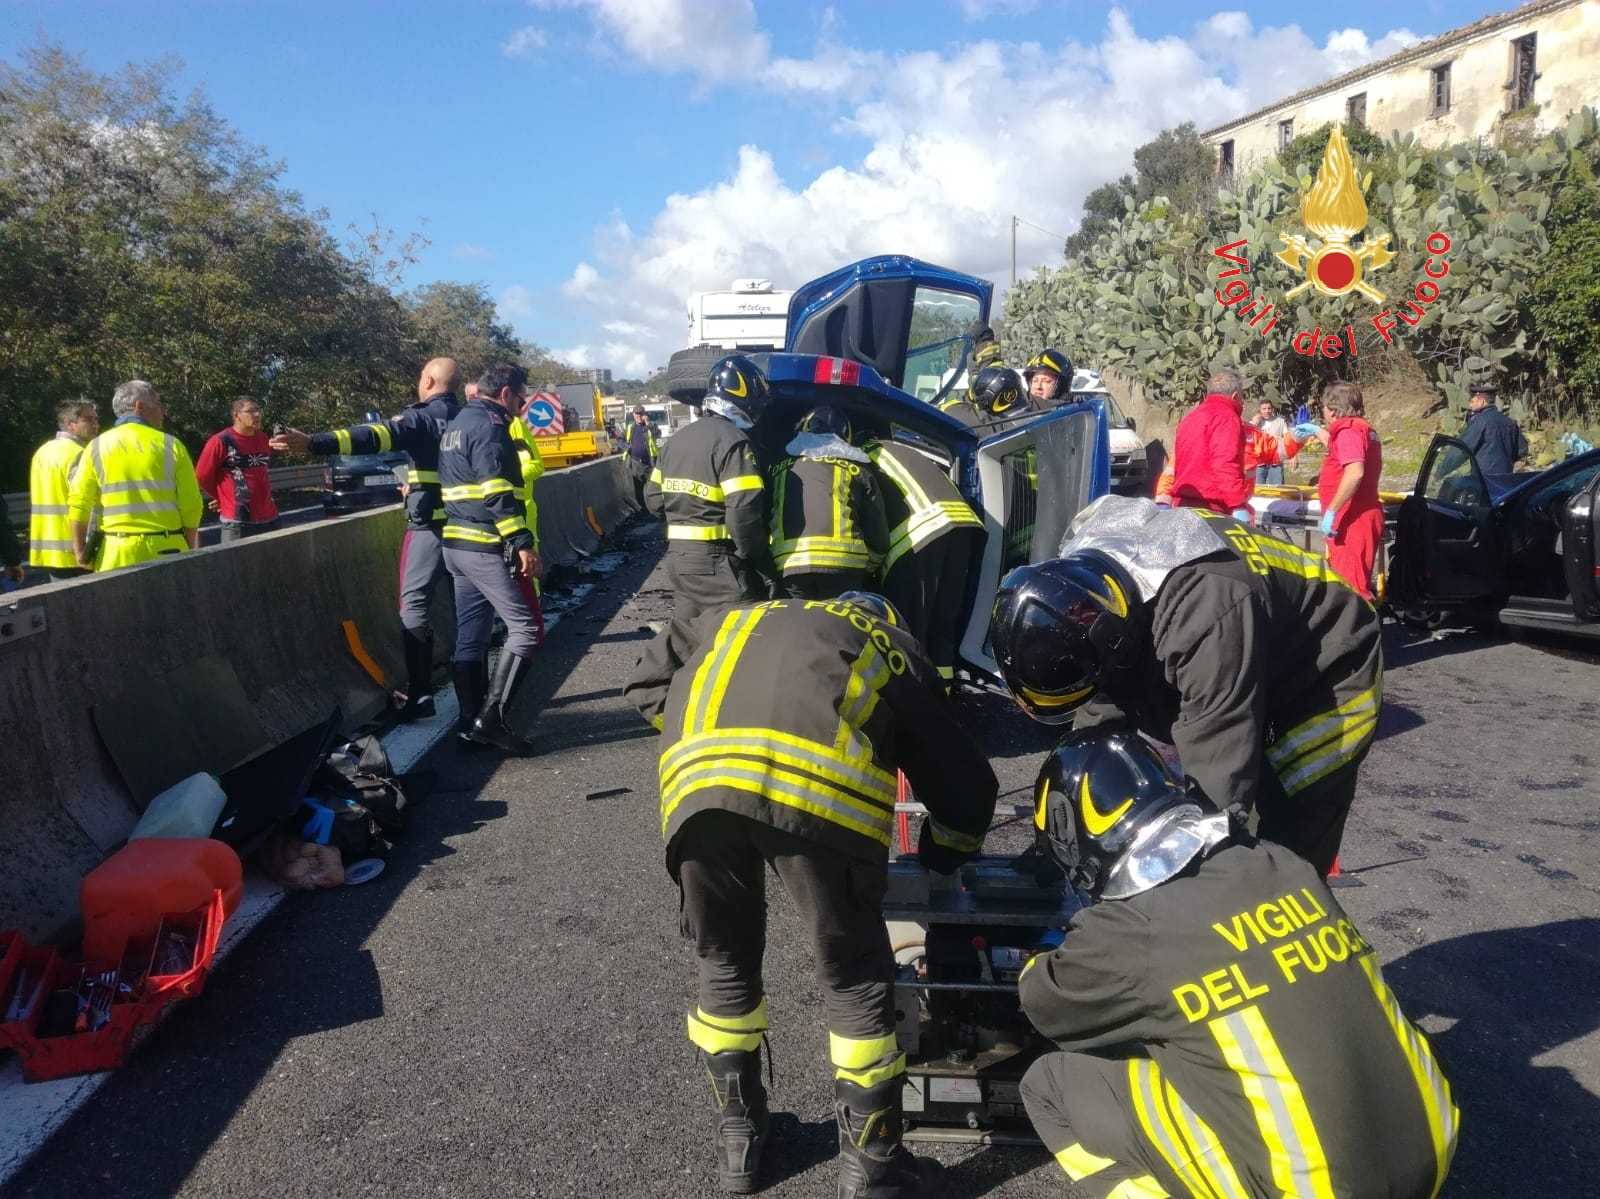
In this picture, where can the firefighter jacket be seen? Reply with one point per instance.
(49, 487)
(920, 502)
(797, 713)
(1257, 651)
(710, 489)
(532, 463)
(965, 411)
(416, 431)
(140, 479)
(1269, 1056)
(827, 509)
(481, 482)
(1208, 456)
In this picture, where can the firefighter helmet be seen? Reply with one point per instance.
(827, 419)
(996, 390)
(1057, 627)
(737, 390)
(1114, 816)
(1054, 362)
(876, 605)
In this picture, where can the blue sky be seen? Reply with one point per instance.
(593, 161)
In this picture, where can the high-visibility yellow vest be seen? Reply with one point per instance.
(140, 479)
(527, 443)
(49, 488)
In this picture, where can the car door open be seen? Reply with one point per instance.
(1447, 548)
(1032, 480)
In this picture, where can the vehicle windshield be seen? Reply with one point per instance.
(939, 341)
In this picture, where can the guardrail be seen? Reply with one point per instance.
(284, 478)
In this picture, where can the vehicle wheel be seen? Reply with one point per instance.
(688, 372)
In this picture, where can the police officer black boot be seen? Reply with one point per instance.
(873, 1164)
(490, 728)
(419, 675)
(472, 688)
(741, 1117)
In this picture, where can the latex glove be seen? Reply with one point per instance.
(1328, 519)
(1306, 431)
(938, 858)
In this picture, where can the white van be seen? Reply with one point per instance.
(1130, 470)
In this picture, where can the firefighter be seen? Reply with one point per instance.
(935, 539)
(1259, 663)
(416, 431)
(1049, 378)
(485, 532)
(828, 528)
(783, 733)
(139, 483)
(996, 398)
(1225, 1028)
(49, 487)
(708, 485)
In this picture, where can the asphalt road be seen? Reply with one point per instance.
(501, 1013)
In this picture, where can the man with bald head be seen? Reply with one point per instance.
(416, 431)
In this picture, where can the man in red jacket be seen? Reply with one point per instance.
(233, 472)
(1208, 451)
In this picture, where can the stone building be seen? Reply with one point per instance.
(1526, 68)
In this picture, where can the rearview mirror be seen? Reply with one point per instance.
(1133, 426)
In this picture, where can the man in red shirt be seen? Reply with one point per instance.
(1208, 451)
(233, 472)
(1352, 515)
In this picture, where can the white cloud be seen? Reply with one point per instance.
(954, 144)
(623, 359)
(515, 303)
(978, 10)
(469, 249)
(708, 37)
(625, 328)
(524, 42)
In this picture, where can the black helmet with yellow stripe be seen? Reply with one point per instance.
(1054, 362)
(1115, 818)
(996, 390)
(1058, 626)
(737, 386)
(875, 604)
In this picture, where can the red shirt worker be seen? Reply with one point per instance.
(1208, 450)
(1352, 515)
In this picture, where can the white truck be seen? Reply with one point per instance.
(751, 316)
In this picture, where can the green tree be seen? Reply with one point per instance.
(1565, 300)
(1102, 209)
(1176, 164)
(460, 321)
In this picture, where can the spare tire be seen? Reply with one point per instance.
(688, 372)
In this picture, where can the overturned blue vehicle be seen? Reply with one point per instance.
(886, 339)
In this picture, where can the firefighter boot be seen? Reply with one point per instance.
(472, 688)
(741, 1117)
(873, 1164)
(490, 728)
(419, 675)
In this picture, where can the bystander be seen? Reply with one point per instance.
(1208, 450)
(1269, 468)
(232, 471)
(50, 485)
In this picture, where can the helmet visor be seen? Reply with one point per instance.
(1048, 663)
(1163, 848)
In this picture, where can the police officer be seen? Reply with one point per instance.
(1225, 1028)
(707, 484)
(828, 528)
(934, 541)
(641, 451)
(486, 526)
(416, 431)
(783, 732)
(1251, 656)
(996, 398)
(139, 483)
(1494, 439)
(50, 485)
(1049, 378)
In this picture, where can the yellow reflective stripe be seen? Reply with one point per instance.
(341, 438)
(719, 1034)
(782, 787)
(891, 466)
(658, 721)
(857, 1053)
(496, 487)
(709, 671)
(841, 505)
(462, 491)
(752, 1021)
(385, 440)
(738, 483)
(510, 525)
(720, 681)
(874, 1075)
(422, 476)
(655, 476)
(462, 533)
(789, 751)
(1206, 1150)
(1144, 1079)
(1187, 1143)
(1352, 743)
(676, 485)
(954, 839)
(698, 533)
(1309, 734)
(1143, 1187)
(1077, 1161)
(868, 675)
(1299, 1167)
(1444, 1119)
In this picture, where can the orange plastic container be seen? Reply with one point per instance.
(124, 898)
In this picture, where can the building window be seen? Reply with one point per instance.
(1225, 159)
(1440, 76)
(1523, 71)
(1285, 133)
(1355, 110)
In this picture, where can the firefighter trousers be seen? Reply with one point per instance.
(1112, 1125)
(929, 587)
(722, 860)
(703, 580)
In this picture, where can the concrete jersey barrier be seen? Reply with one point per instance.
(264, 616)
